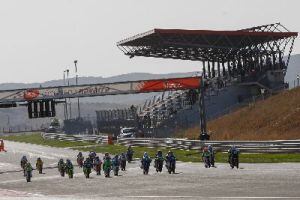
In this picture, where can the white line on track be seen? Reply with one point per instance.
(149, 197)
(38, 178)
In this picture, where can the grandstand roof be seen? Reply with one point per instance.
(203, 44)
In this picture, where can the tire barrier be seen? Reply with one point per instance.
(79, 138)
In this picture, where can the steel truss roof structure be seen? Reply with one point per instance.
(223, 53)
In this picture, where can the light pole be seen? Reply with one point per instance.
(78, 105)
(70, 105)
(298, 77)
(8, 123)
(66, 105)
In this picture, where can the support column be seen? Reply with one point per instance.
(203, 69)
(223, 68)
(219, 69)
(213, 69)
(209, 74)
(203, 131)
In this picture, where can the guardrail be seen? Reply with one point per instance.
(277, 146)
(272, 146)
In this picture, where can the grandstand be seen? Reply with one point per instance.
(236, 66)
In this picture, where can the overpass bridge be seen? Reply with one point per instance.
(41, 101)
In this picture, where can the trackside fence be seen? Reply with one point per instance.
(272, 146)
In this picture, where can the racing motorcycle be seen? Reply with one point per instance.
(97, 168)
(116, 170)
(70, 171)
(234, 161)
(28, 175)
(158, 164)
(171, 165)
(145, 166)
(206, 161)
(62, 170)
(87, 171)
(80, 161)
(123, 163)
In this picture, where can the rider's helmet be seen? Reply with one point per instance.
(79, 154)
(38, 158)
(106, 154)
(68, 160)
(61, 160)
(170, 153)
(145, 154)
(24, 158)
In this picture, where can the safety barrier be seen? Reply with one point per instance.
(80, 138)
(272, 146)
(276, 146)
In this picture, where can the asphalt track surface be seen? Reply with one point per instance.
(192, 180)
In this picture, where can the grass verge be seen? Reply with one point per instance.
(36, 138)
(185, 156)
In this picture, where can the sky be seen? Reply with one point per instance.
(39, 39)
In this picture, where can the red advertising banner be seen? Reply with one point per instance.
(170, 84)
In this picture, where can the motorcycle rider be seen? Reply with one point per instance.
(158, 158)
(146, 160)
(206, 155)
(92, 155)
(116, 165)
(87, 166)
(80, 159)
(212, 155)
(170, 157)
(39, 165)
(106, 164)
(129, 153)
(69, 168)
(61, 166)
(233, 152)
(97, 165)
(28, 170)
(123, 161)
(23, 163)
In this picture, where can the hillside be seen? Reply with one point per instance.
(275, 118)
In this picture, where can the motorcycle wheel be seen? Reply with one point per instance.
(237, 165)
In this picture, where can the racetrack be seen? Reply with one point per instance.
(192, 180)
